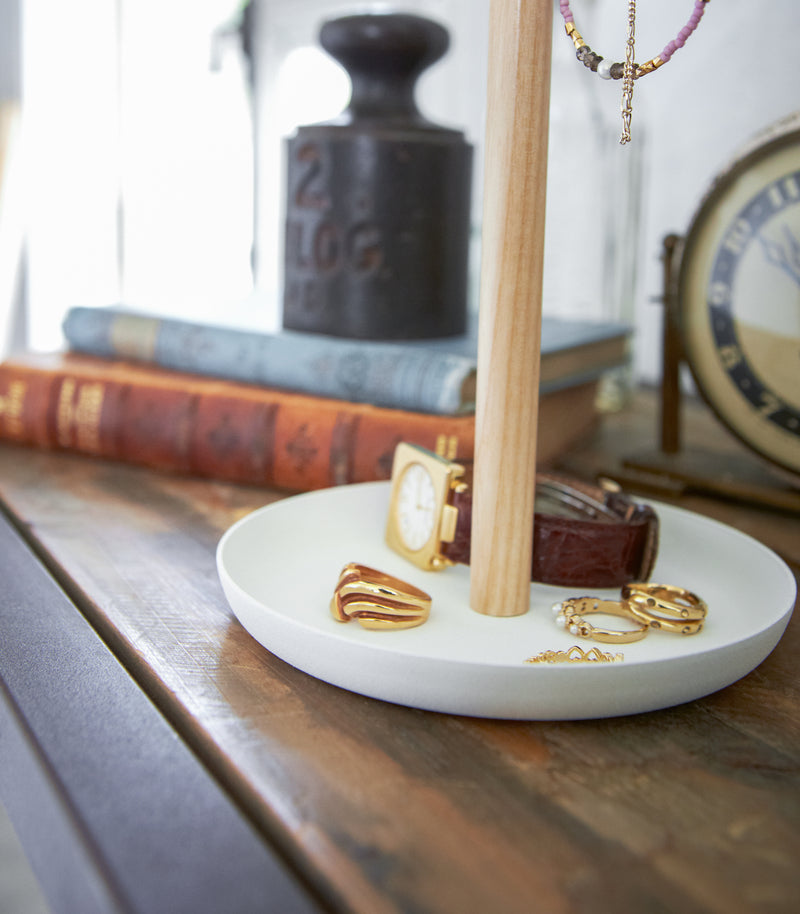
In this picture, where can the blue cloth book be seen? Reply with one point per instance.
(432, 376)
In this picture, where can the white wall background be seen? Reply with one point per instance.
(177, 151)
(138, 155)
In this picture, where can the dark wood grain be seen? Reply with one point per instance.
(388, 809)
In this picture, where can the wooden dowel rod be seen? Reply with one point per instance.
(509, 341)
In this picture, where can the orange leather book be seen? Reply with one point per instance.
(236, 432)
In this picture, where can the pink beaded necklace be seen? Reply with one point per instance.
(628, 71)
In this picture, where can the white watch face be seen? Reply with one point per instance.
(416, 507)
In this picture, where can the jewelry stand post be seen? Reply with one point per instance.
(509, 338)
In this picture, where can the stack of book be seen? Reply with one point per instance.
(287, 410)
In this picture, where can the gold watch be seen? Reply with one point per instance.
(420, 516)
(583, 535)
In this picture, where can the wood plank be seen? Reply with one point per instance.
(384, 808)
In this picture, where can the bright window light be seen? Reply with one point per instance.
(139, 159)
(312, 87)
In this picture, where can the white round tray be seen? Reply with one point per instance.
(279, 565)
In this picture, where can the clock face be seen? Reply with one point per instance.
(739, 297)
(416, 507)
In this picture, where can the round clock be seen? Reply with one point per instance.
(739, 296)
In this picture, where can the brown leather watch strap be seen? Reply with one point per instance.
(601, 548)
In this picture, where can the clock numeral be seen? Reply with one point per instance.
(776, 196)
(719, 293)
(730, 356)
(738, 237)
(769, 403)
(791, 188)
(783, 192)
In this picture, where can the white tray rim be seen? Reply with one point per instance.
(346, 524)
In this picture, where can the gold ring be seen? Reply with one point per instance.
(666, 607)
(569, 615)
(378, 601)
(576, 654)
(659, 623)
(666, 599)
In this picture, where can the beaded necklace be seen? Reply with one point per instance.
(628, 71)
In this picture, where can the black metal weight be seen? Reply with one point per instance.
(378, 200)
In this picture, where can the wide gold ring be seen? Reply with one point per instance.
(569, 615)
(378, 601)
(666, 607)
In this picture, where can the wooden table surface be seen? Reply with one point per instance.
(379, 808)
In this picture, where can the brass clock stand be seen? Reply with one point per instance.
(678, 467)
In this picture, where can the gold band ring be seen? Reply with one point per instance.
(378, 601)
(666, 607)
(665, 600)
(569, 615)
(660, 623)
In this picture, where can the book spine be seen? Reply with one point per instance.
(390, 375)
(268, 438)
